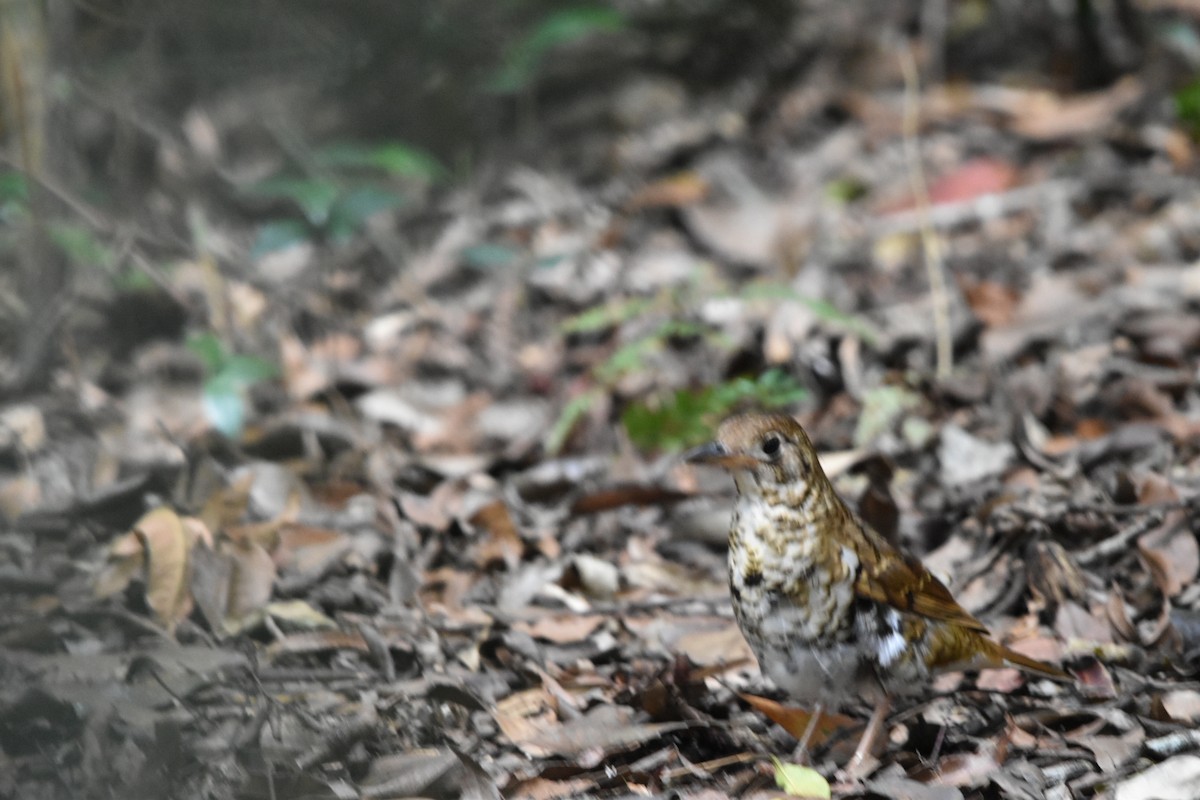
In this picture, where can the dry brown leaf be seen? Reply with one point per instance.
(212, 574)
(796, 720)
(966, 770)
(18, 495)
(316, 642)
(724, 645)
(503, 544)
(1179, 705)
(228, 505)
(1094, 679)
(167, 544)
(1171, 554)
(126, 560)
(545, 789)
(251, 582)
(561, 628)
(674, 191)
(526, 715)
(1044, 116)
(305, 550)
(602, 730)
(1074, 622)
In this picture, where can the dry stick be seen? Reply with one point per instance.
(930, 246)
(1118, 542)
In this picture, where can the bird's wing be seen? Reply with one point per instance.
(901, 581)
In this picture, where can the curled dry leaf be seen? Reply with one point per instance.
(796, 720)
(503, 544)
(167, 543)
(1171, 554)
(1179, 705)
(250, 585)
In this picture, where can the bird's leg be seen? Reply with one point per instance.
(870, 734)
(809, 730)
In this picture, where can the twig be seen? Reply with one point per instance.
(930, 244)
(1119, 541)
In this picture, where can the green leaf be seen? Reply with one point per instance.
(845, 190)
(881, 408)
(571, 414)
(394, 158)
(278, 235)
(80, 245)
(604, 317)
(13, 188)
(314, 196)
(245, 371)
(1187, 107)
(211, 351)
(358, 205)
(825, 311)
(225, 409)
(798, 781)
(489, 256)
(567, 25)
(689, 416)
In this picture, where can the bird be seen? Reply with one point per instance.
(831, 609)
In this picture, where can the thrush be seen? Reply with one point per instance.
(830, 608)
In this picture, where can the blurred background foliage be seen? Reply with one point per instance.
(135, 128)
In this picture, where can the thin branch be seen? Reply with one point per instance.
(930, 244)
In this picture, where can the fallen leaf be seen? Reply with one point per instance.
(561, 628)
(796, 720)
(798, 781)
(1177, 778)
(1171, 553)
(1180, 705)
(167, 545)
(674, 191)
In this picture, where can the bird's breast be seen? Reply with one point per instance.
(789, 582)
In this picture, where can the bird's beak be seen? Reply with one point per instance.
(719, 455)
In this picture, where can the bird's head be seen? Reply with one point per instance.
(768, 454)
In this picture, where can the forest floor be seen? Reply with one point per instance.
(446, 547)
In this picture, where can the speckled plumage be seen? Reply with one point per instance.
(831, 609)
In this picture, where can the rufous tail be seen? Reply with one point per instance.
(1003, 656)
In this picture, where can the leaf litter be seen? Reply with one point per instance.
(452, 552)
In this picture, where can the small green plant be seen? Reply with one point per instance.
(524, 58)
(228, 377)
(1187, 107)
(14, 195)
(341, 188)
(687, 417)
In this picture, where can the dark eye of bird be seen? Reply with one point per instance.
(770, 445)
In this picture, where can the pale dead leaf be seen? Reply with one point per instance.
(322, 641)
(167, 545)
(545, 789)
(297, 615)
(1179, 705)
(724, 645)
(126, 560)
(502, 543)
(1172, 554)
(1043, 116)
(561, 628)
(523, 716)
(250, 584)
(1177, 778)
(305, 550)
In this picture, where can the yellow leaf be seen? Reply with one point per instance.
(798, 781)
